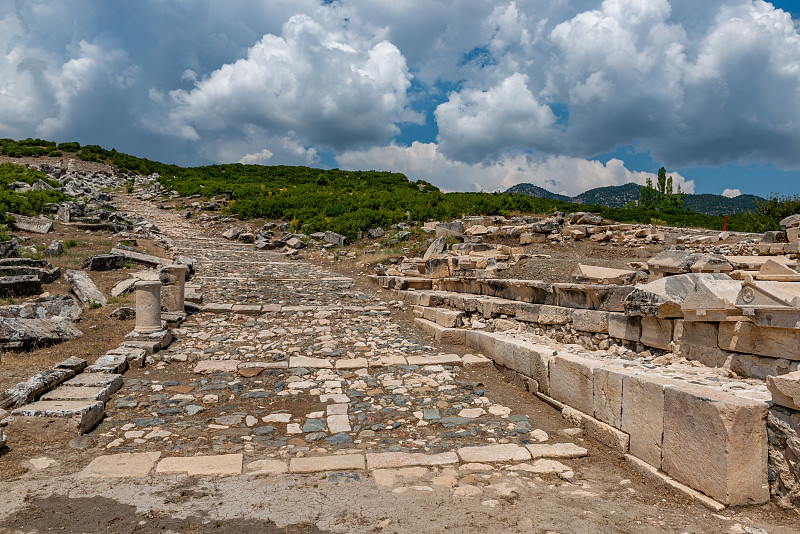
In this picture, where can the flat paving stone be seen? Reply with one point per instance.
(100, 380)
(344, 462)
(77, 393)
(312, 363)
(267, 467)
(494, 453)
(216, 366)
(218, 465)
(386, 460)
(556, 450)
(84, 414)
(122, 465)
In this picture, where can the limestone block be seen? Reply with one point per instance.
(448, 318)
(716, 443)
(593, 274)
(528, 312)
(480, 341)
(643, 415)
(84, 288)
(597, 430)
(761, 340)
(571, 381)
(696, 333)
(657, 332)
(627, 327)
(216, 465)
(785, 389)
(663, 298)
(313, 464)
(554, 315)
(590, 321)
(122, 465)
(82, 414)
(607, 400)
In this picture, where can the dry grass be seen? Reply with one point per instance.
(100, 332)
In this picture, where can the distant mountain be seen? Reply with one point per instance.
(617, 196)
(536, 191)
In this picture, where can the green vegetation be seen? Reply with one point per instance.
(351, 201)
(31, 202)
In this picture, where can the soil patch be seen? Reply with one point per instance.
(99, 514)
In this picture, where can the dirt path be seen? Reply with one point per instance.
(338, 377)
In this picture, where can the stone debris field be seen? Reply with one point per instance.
(276, 390)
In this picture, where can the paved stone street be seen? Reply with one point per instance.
(301, 395)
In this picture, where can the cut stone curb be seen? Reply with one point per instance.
(84, 414)
(267, 467)
(654, 475)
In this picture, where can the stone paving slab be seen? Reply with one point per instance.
(122, 465)
(556, 450)
(83, 413)
(64, 393)
(387, 460)
(217, 465)
(494, 453)
(344, 462)
(267, 467)
(101, 380)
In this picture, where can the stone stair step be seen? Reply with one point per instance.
(82, 413)
(65, 393)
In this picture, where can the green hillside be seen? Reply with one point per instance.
(351, 201)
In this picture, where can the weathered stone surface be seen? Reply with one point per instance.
(84, 415)
(44, 308)
(336, 239)
(627, 327)
(554, 315)
(785, 389)
(761, 340)
(438, 247)
(663, 298)
(104, 262)
(267, 467)
(84, 288)
(216, 366)
(607, 402)
(28, 391)
(582, 217)
(643, 415)
(571, 381)
(657, 332)
(22, 333)
(122, 465)
(716, 443)
(112, 382)
(32, 224)
(9, 249)
(597, 430)
(385, 460)
(494, 453)
(66, 393)
(592, 274)
(218, 465)
(783, 429)
(451, 229)
(20, 286)
(654, 475)
(314, 464)
(556, 450)
(140, 257)
(590, 321)
(311, 363)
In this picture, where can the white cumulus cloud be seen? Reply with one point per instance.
(559, 174)
(731, 193)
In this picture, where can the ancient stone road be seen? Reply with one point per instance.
(321, 407)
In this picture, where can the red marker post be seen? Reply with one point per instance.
(725, 226)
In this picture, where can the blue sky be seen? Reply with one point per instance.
(466, 94)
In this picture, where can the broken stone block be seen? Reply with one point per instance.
(529, 239)
(451, 229)
(774, 236)
(591, 274)
(716, 443)
(54, 250)
(438, 247)
(336, 239)
(83, 415)
(23, 333)
(20, 286)
(9, 249)
(31, 224)
(84, 288)
(232, 233)
(583, 217)
(785, 389)
(104, 262)
(663, 298)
